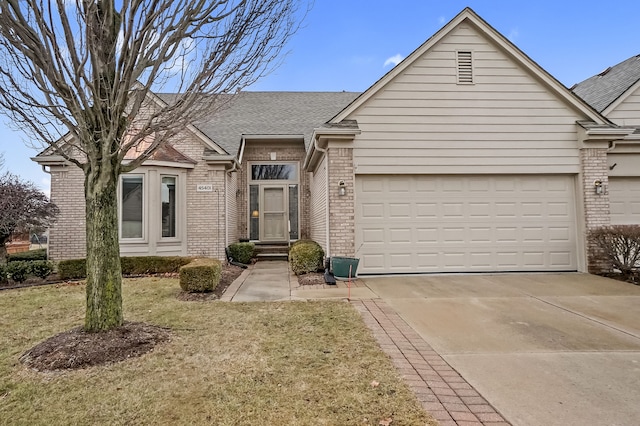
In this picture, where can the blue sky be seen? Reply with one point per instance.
(349, 44)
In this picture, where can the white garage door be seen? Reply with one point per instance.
(624, 199)
(423, 223)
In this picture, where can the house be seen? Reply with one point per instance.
(466, 157)
(615, 93)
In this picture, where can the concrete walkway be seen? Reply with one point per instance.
(274, 281)
(444, 393)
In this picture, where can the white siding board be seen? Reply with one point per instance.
(232, 207)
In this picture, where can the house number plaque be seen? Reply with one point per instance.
(204, 188)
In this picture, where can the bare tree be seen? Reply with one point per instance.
(23, 209)
(78, 76)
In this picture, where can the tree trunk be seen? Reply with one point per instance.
(104, 273)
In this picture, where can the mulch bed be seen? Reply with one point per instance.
(75, 349)
(312, 278)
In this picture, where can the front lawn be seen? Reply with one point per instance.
(291, 363)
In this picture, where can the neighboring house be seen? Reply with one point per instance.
(466, 157)
(615, 93)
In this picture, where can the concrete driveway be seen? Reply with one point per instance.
(544, 349)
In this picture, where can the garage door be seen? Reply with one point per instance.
(624, 199)
(408, 224)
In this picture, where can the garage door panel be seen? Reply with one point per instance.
(624, 200)
(488, 223)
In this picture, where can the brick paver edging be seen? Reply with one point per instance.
(439, 388)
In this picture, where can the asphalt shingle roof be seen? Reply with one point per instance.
(603, 89)
(271, 113)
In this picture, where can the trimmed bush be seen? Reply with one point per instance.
(305, 256)
(620, 246)
(39, 254)
(142, 265)
(242, 252)
(72, 269)
(18, 271)
(136, 265)
(201, 275)
(40, 268)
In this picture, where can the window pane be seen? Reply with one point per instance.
(254, 212)
(132, 198)
(168, 206)
(293, 212)
(274, 172)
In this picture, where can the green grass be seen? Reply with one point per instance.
(292, 363)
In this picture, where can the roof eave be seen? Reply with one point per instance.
(322, 136)
(51, 160)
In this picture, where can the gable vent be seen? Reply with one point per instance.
(465, 67)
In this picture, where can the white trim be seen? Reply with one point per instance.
(178, 214)
(273, 182)
(145, 195)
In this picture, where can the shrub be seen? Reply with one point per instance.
(3, 274)
(242, 252)
(201, 275)
(72, 269)
(305, 256)
(39, 254)
(18, 271)
(40, 268)
(135, 265)
(141, 265)
(620, 246)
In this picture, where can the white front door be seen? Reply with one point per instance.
(274, 215)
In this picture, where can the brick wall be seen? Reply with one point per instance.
(261, 151)
(67, 235)
(341, 208)
(596, 206)
(206, 213)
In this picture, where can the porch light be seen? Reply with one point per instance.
(598, 187)
(255, 213)
(342, 188)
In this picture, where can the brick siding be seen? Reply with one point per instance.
(596, 206)
(67, 235)
(341, 208)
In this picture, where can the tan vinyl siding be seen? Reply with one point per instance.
(506, 122)
(319, 205)
(627, 113)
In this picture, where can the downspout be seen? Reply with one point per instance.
(226, 212)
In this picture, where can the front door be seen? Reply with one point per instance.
(274, 215)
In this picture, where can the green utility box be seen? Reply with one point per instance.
(340, 267)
